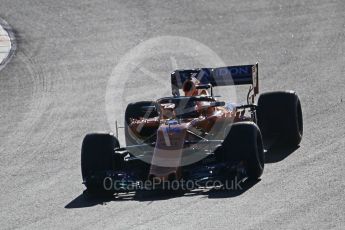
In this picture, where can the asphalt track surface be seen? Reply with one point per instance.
(53, 93)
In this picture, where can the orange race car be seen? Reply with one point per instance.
(193, 139)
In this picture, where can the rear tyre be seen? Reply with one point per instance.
(244, 143)
(97, 156)
(135, 111)
(280, 114)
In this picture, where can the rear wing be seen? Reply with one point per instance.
(221, 76)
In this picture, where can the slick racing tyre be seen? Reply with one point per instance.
(97, 156)
(139, 110)
(279, 114)
(244, 143)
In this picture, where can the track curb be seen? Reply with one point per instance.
(7, 43)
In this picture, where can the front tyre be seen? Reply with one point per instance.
(244, 143)
(97, 156)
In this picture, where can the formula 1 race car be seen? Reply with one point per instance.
(193, 138)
